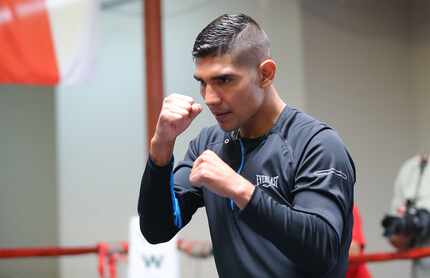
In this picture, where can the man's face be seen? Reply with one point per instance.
(231, 92)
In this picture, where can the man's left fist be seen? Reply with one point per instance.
(213, 173)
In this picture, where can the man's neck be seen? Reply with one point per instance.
(266, 117)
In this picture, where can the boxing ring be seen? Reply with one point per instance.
(109, 255)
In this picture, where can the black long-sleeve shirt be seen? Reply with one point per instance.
(298, 222)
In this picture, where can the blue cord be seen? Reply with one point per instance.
(242, 162)
(177, 217)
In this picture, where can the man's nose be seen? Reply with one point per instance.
(211, 96)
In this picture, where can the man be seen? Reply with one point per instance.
(276, 183)
(408, 224)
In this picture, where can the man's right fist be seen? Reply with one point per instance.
(177, 113)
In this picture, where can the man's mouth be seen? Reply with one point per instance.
(221, 116)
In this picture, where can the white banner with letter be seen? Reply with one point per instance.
(147, 260)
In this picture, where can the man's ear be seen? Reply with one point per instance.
(267, 71)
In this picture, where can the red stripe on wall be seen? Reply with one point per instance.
(27, 54)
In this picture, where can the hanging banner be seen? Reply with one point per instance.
(151, 260)
(46, 42)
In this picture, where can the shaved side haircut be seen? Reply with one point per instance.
(237, 35)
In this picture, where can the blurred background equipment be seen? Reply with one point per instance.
(47, 42)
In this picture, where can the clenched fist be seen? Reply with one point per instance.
(210, 171)
(177, 113)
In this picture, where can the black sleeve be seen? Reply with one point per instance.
(167, 200)
(309, 231)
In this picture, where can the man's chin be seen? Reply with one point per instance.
(226, 127)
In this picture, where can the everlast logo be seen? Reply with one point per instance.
(267, 181)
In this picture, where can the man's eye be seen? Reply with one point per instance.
(224, 80)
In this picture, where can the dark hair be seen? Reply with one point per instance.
(231, 32)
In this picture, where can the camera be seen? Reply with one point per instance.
(414, 223)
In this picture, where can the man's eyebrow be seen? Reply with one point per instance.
(216, 77)
(197, 78)
(221, 76)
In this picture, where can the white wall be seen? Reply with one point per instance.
(420, 69)
(100, 133)
(28, 192)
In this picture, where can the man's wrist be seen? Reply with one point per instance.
(243, 193)
(161, 152)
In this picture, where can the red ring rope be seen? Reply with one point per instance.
(110, 253)
(45, 252)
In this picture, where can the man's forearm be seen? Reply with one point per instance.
(305, 239)
(155, 204)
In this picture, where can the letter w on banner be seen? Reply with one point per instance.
(146, 260)
(46, 42)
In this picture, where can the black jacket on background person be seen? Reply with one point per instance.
(298, 222)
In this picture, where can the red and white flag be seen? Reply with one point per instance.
(46, 42)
